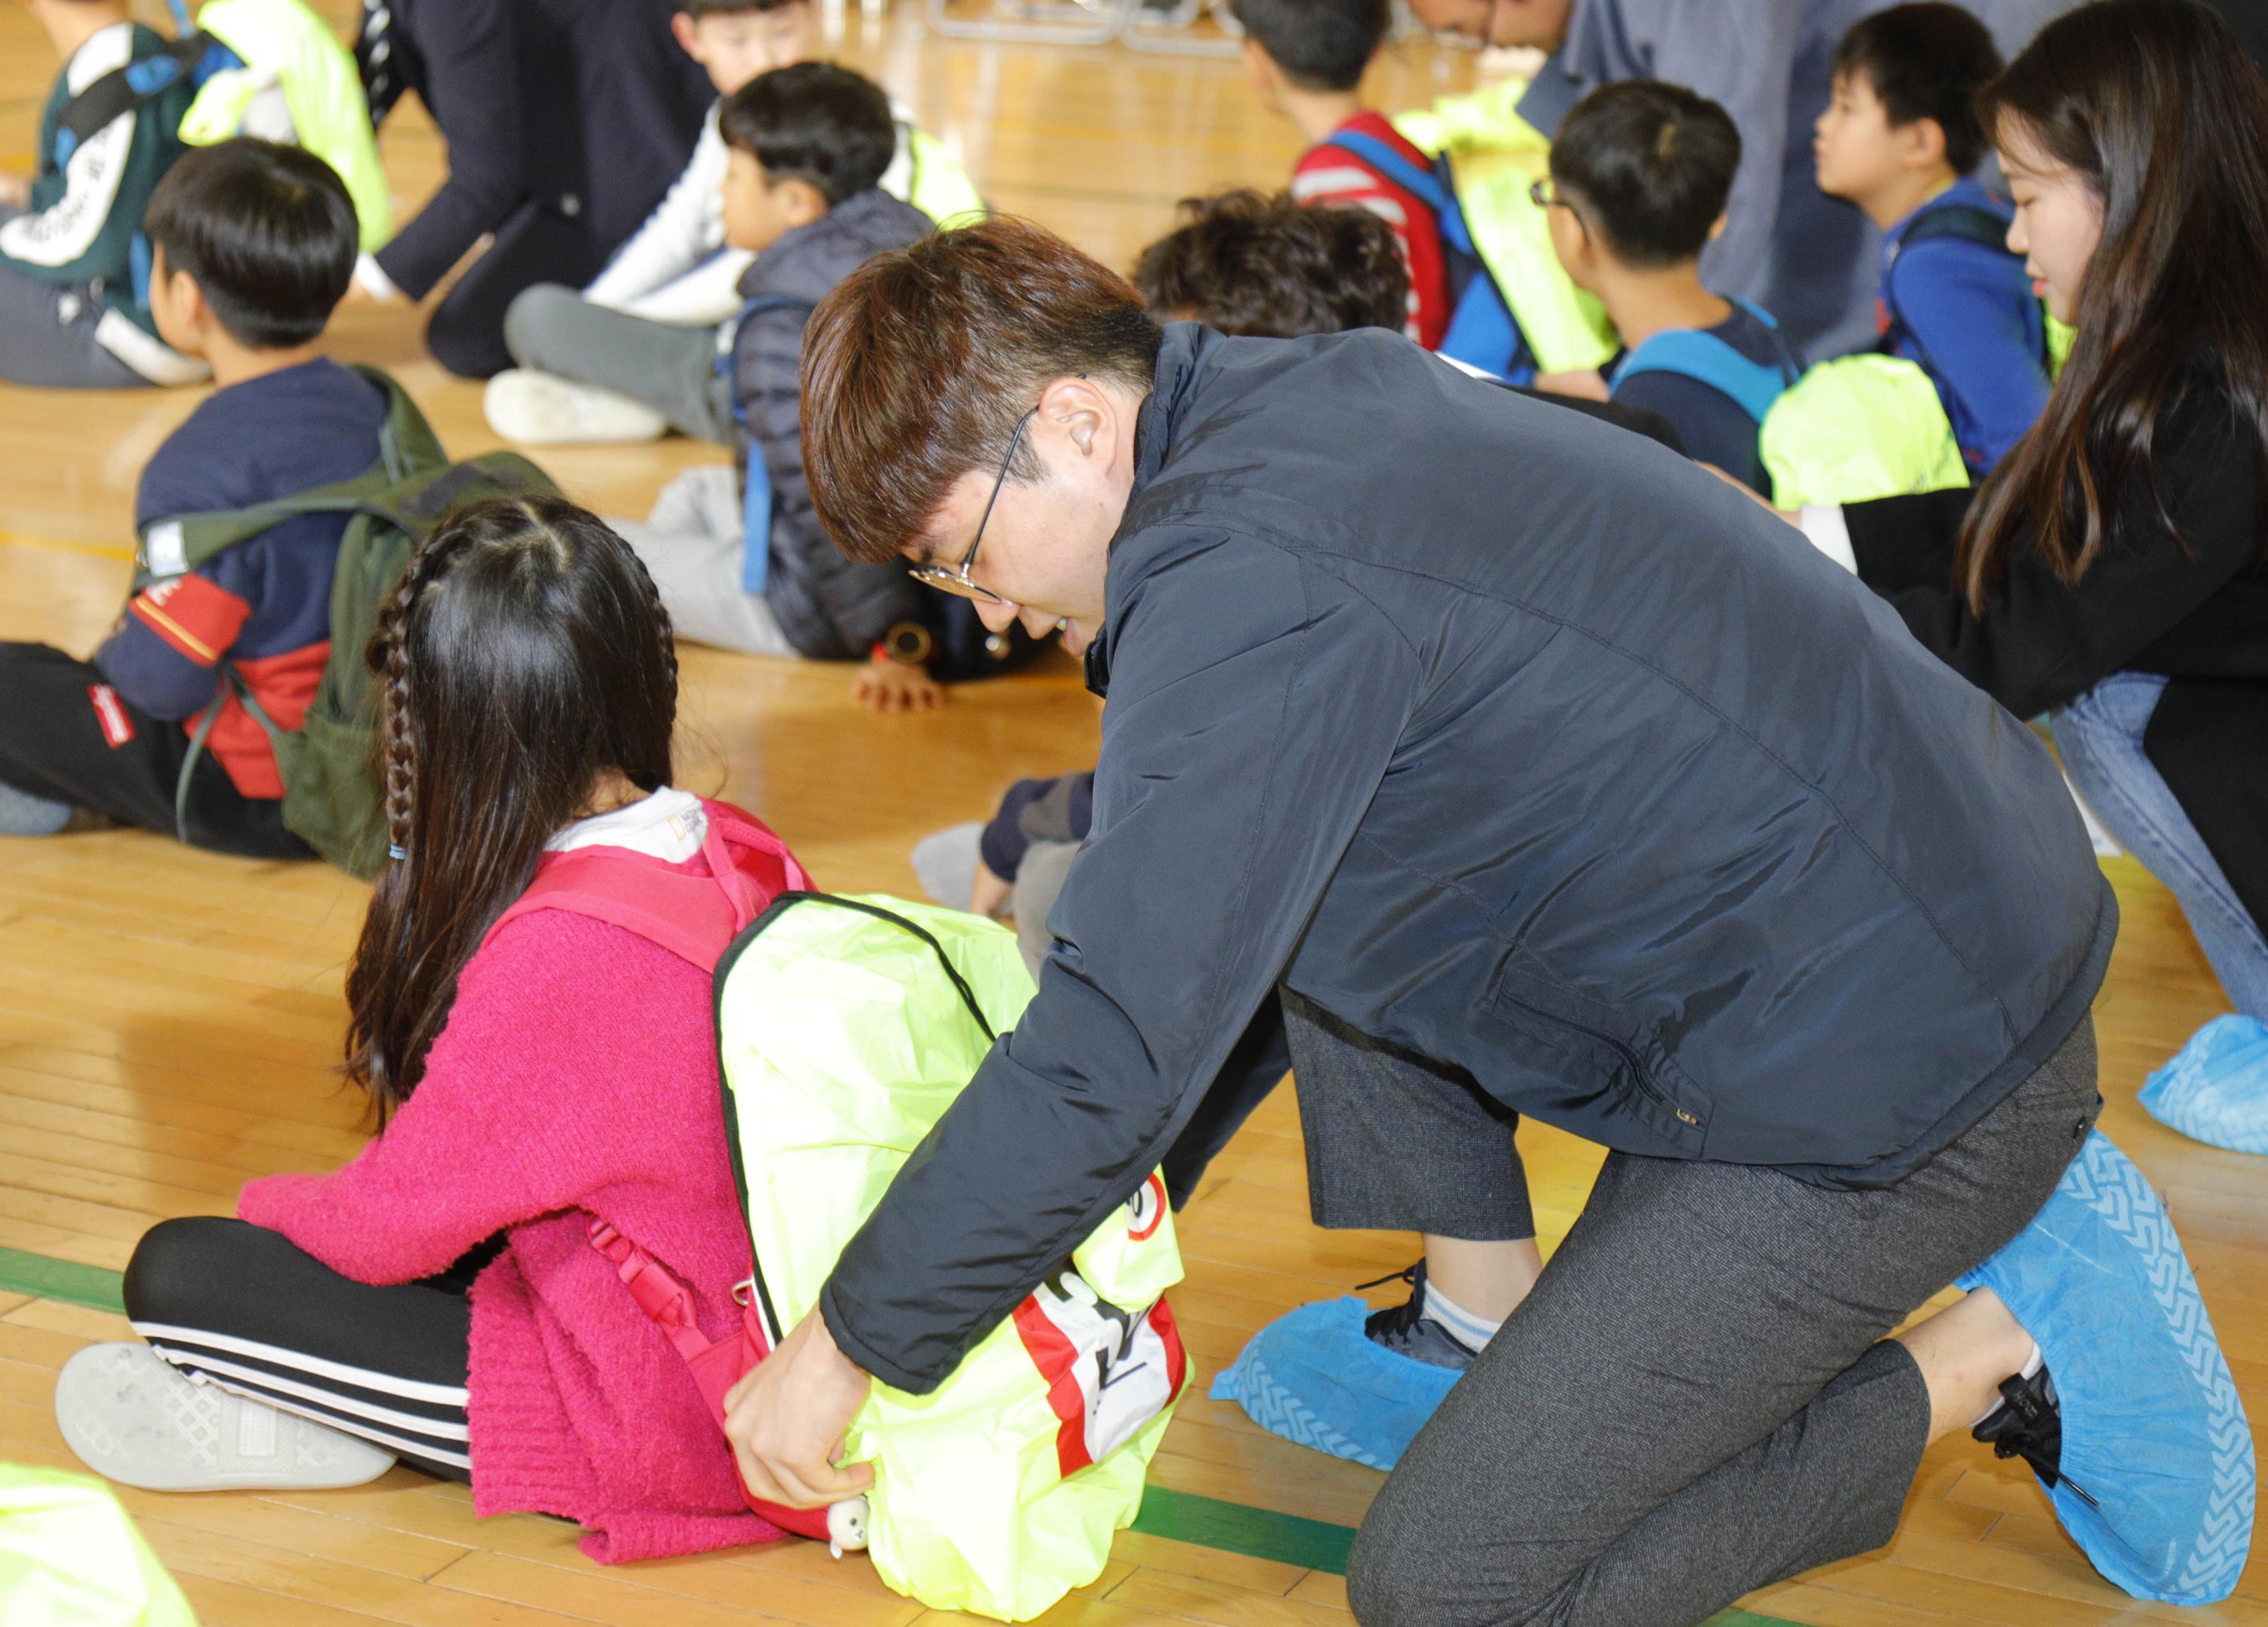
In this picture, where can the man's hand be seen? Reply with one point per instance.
(890, 687)
(1588, 383)
(991, 894)
(787, 1416)
(15, 191)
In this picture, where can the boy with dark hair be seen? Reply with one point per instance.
(1640, 172)
(634, 354)
(1307, 59)
(253, 245)
(1900, 140)
(746, 564)
(74, 302)
(1248, 264)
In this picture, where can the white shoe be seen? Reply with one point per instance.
(133, 1417)
(532, 409)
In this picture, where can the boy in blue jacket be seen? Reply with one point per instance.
(254, 245)
(1899, 140)
(74, 265)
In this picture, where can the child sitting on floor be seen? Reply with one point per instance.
(253, 245)
(747, 565)
(1640, 172)
(635, 353)
(74, 296)
(1900, 140)
(1307, 59)
(535, 1069)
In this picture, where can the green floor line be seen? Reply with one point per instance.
(1178, 1516)
(66, 1280)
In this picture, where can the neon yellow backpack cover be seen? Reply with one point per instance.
(70, 1557)
(1856, 428)
(846, 1027)
(283, 42)
(940, 188)
(1494, 156)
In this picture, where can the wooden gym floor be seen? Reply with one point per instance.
(169, 1019)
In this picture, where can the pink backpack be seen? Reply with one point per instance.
(695, 917)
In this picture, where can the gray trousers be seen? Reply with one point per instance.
(947, 865)
(669, 368)
(1698, 1398)
(690, 544)
(46, 337)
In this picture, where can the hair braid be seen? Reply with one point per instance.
(388, 660)
(660, 616)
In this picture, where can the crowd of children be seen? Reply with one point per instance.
(2046, 457)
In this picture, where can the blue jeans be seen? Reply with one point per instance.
(2099, 737)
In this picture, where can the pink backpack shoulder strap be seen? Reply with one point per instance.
(694, 916)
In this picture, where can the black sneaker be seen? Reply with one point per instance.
(1406, 1329)
(2029, 1423)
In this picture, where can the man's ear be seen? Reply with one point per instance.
(689, 39)
(1081, 412)
(800, 201)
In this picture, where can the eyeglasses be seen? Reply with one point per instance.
(1544, 194)
(954, 579)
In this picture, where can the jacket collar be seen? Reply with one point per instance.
(1161, 416)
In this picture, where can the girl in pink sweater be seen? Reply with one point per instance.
(438, 1299)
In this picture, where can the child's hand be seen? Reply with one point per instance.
(889, 686)
(15, 191)
(991, 894)
(1588, 385)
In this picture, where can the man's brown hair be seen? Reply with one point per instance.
(917, 367)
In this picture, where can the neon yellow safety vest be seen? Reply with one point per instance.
(1494, 156)
(286, 44)
(845, 1027)
(1856, 428)
(70, 1557)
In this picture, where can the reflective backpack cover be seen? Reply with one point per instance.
(1857, 429)
(846, 1027)
(70, 1557)
(284, 44)
(1492, 156)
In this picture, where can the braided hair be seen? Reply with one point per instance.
(524, 656)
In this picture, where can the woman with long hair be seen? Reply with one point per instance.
(536, 1069)
(2113, 571)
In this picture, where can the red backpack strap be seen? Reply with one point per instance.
(658, 1294)
(691, 915)
(750, 860)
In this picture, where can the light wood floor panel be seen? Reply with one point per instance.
(169, 1020)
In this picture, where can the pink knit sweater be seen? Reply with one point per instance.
(577, 1076)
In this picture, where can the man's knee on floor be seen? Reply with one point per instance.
(532, 323)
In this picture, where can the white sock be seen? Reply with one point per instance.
(1470, 1330)
(2033, 1363)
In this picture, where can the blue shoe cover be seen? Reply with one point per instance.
(1314, 1378)
(2153, 1428)
(2215, 1089)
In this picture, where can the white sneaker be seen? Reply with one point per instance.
(133, 1417)
(532, 409)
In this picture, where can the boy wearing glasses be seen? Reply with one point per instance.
(1640, 172)
(740, 557)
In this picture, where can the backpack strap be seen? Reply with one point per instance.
(131, 87)
(1751, 386)
(1963, 222)
(407, 446)
(756, 479)
(1420, 181)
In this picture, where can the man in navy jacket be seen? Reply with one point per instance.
(1526, 769)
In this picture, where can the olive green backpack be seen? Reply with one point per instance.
(328, 763)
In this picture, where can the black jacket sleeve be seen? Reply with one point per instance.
(829, 607)
(468, 77)
(1254, 705)
(2041, 641)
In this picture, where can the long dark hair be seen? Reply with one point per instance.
(526, 653)
(2154, 103)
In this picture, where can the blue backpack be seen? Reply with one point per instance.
(1753, 386)
(1482, 331)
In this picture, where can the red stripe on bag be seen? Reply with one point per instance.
(1055, 1357)
(117, 727)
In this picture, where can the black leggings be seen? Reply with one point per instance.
(245, 1308)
